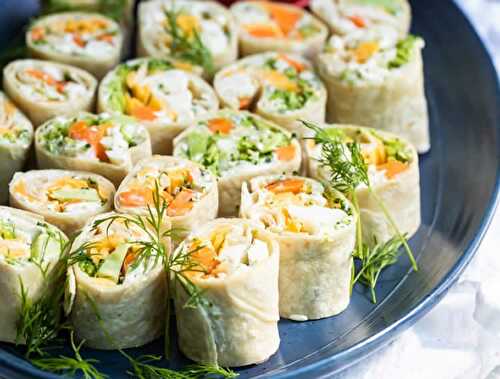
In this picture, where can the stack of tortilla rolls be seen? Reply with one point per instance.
(393, 174)
(16, 136)
(164, 99)
(280, 87)
(235, 264)
(186, 189)
(112, 289)
(105, 144)
(316, 231)
(64, 198)
(273, 26)
(236, 146)
(29, 252)
(43, 89)
(90, 41)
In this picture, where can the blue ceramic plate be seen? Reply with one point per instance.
(460, 178)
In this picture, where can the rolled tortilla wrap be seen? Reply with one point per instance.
(122, 12)
(108, 145)
(16, 135)
(28, 245)
(348, 16)
(66, 199)
(273, 26)
(212, 23)
(189, 192)
(236, 268)
(165, 100)
(394, 176)
(316, 232)
(279, 87)
(90, 41)
(236, 146)
(373, 83)
(43, 89)
(116, 300)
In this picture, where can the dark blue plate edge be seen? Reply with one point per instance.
(12, 369)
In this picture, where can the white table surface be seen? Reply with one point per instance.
(460, 337)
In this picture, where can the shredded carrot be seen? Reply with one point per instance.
(140, 111)
(286, 17)
(263, 30)
(358, 21)
(365, 50)
(181, 204)
(245, 102)
(292, 185)
(129, 259)
(392, 168)
(37, 34)
(279, 80)
(77, 38)
(286, 153)
(136, 197)
(205, 257)
(221, 125)
(92, 135)
(106, 38)
(292, 62)
(47, 78)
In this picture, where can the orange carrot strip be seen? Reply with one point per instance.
(263, 30)
(292, 185)
(392, 168)
(245, 102)
(221, 125)
(92, 135)
(37, 34)
(358, 21)
(285, 17)
(136, 197)
(295, 64)
(143, 112)
(181, 204)
(286, 153)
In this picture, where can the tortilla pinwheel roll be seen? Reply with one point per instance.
(66, 199)
(348, 16)
(393, 174)
(374, 83)
(163, 99)
(116, 292)
(29, 251)
(16, 135)
(235, 147)
(43, 89)
(273, 26)
(188, 191)
(235, 321)
(196, 21)
(279, 87)
(108, 145)
(316, 231)
(90, 41)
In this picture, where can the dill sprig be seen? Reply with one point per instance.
(40, 322)
(347, 168)
(70, 366)
(143, 369)
(374, 260)
(188, 47)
